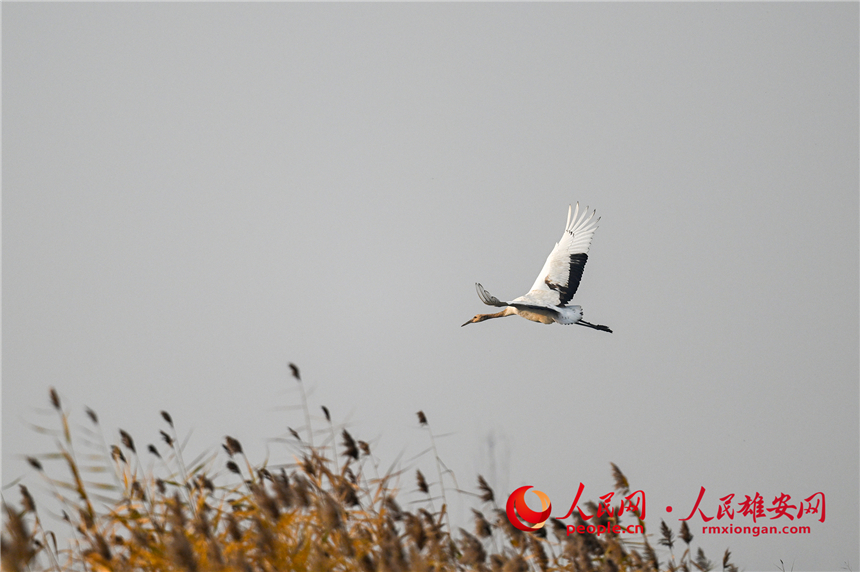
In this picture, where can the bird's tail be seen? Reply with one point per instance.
(594, 326)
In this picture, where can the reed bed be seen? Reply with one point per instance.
(331, 510)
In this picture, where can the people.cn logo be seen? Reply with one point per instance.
(518, 511)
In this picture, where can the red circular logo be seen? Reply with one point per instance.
(517, 506)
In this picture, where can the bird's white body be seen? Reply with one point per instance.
(546, 301)
(547, 315)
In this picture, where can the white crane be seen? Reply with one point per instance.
(557, 282)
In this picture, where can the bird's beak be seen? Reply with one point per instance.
(469, 322)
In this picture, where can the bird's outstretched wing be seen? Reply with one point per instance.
(562, 271)
(488, 298)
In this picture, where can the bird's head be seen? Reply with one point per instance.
(476, 319)
(481, 317)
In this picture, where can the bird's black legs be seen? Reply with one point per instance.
(594, 326)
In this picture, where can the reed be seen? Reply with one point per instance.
(319, 514)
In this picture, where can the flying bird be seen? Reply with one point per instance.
(557, 282)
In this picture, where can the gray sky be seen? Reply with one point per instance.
(196, 194)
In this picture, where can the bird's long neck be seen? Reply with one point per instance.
(506, 312)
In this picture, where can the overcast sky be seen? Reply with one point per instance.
(195, 195)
